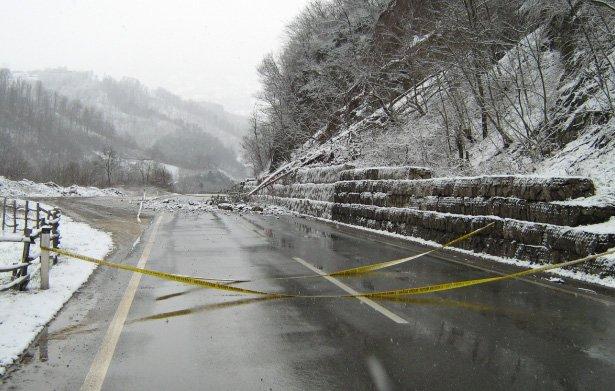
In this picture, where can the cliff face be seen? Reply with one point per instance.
(401, 17)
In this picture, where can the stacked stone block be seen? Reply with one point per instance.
(532, 220)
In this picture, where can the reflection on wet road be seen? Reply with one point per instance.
(510, 335)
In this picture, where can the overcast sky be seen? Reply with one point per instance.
(200, 49)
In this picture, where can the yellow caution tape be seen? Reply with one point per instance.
(478, 281)
(161, 275)
(383, 265)
(372, 267)
(375, 295)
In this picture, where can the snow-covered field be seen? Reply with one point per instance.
(24, 314)
(26, 188)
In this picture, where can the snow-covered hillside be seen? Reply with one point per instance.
(413, 139)
(26, 188)
(458, 95)
(143, 113)
(72, 127)
(592, 154)
(164, 126)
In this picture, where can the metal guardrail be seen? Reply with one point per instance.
(44, 226)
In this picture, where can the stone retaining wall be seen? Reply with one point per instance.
(514, 208)
(528, 226)
(381, 173)
(508, 237)
(328, 174)
(319, 192)
(525, 188)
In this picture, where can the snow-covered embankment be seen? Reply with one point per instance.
(23, 314)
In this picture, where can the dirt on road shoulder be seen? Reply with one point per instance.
(115, 215)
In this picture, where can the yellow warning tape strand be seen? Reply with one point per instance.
(383, 265)
(161, 275)
(478, 281)
(375, 295)
(369, 268)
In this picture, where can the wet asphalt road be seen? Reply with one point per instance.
(510, 335)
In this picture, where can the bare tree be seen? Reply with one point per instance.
(110, 162)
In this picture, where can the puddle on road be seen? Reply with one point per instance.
(177, 294)
(442, 302)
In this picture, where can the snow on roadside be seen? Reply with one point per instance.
(24, 314)
(26, 188)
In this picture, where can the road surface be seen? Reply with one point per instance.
(530, 334)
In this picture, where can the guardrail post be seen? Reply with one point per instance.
(45, 241)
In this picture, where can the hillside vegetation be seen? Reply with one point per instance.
(156, 118)
(73, 128)
(461, 86)
(47, 136)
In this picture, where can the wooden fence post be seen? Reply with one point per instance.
(45, 240)
(3, 212)
(38, 215)
(14, 216)
(25, 259)
(25, 216)
(55, 228)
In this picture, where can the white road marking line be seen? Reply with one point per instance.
(384, 311)
(98, 371)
